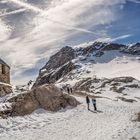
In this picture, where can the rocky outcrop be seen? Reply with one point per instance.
(113, 46)
(55, 75)
(59, 59)
(47, 97)
(132, 49)
(99, 47)
(118, 84)
(58, 66)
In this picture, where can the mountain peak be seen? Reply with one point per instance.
(69, 58)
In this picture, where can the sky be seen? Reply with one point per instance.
(32, 30)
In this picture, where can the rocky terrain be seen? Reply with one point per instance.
(75, 67)
(70, 59)
(47, 97)
(119, 84)
(58, 66)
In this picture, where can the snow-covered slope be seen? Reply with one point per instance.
(113, 121)
(104, 62)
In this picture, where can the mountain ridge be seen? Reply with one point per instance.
(69, 58)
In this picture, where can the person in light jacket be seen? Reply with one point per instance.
(94, 104)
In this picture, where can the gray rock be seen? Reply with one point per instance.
(55, 75)
(118, 84)
(47, 97)
(58, 66)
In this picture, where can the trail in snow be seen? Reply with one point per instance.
(114, 122)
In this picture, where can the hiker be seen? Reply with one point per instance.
(87, 101)
(94, 104)
(68, 90)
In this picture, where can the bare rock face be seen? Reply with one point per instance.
(58, 66)
(60, 58)
(100, 47)
(47, 97)
(118, 84)
(132, 49)
(52, 77)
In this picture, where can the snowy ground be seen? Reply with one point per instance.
(112, 122)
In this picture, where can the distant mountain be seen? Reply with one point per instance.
(71, 64)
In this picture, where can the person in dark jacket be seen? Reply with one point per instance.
(94, 104)
(87, 101)
(68, 90)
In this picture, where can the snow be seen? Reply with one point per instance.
(111, 64)
(112, 122)
(1, 83)
(114, 64)
(84, 45)
(5, 106)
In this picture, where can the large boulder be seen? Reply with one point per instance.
(47, 97)
(50, 98)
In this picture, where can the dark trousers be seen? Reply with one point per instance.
(88, 106)
(95, 108)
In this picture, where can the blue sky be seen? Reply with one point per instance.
(129, 23)
(31, 30)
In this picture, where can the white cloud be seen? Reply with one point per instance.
(11, 12)
(4, 31)
(51, 27)
(110, 39)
